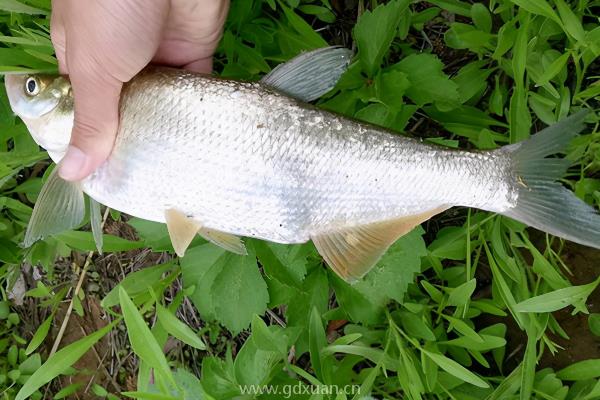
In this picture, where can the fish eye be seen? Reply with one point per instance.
(32, 87)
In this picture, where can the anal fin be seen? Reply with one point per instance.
(351, 252)
(183, 229)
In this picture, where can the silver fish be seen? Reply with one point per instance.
(224, 159)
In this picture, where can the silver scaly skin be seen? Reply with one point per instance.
(241, 158)
(221, 158)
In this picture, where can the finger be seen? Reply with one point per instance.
(57, 35)
(96, 122)
(192, 33)
(203, 65)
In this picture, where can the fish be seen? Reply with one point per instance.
(227, 159)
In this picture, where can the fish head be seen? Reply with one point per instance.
(45, 104)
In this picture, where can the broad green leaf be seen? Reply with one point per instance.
(540, 7)
(238, 291)
(455, 369)
(178, 329)
(519, 117)
(519, 53)
(594, 323)
(506, 39)
(375, 31)
(415, 327)
(30, 365)
(390, 87)
(143, 343)
(318, 341)
(481, 17)
(553, 70)
(465, 36)
(557, 299)
(265, 339)
(286, 263)
(60, 361)
(312, 40)
(39, 335)
(313, 294)
(218, 378)
(252, 365)
(571, 23)
(455, 6)
(582, 370)
(429, 84)
(508, 386)
(463, 328)
(472, 80)
(389, 279)
(154, 234)
(488, 342)
(459, 296)
(529, 361)
(378, 114)
(200, 266)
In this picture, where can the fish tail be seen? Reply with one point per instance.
(542, 202)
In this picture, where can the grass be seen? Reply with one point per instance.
(471, 306)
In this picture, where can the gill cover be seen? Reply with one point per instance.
(32, 96)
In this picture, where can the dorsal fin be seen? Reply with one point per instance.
(352, 252)
(310, 75)
(59, 207)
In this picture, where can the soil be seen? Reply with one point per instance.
(582, 344)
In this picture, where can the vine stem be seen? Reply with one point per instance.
(86, 265)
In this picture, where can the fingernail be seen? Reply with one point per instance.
(72, 164)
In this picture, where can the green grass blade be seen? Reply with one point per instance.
(18, 7)
(178, 329)
(556, 299)
(455, 369)
(60, 361)
(582, 370)
(142, 341)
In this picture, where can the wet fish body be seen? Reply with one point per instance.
(223, 159)
(244, 159)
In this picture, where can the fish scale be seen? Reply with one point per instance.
(275, 168)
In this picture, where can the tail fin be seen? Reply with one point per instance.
(544, 203)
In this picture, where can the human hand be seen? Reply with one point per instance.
(101, 44)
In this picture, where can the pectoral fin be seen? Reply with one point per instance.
(225, 240)
(181, 230)
(310, 75)
(59, 207)
(352, 252)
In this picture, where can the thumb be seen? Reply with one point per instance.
(96, 102)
